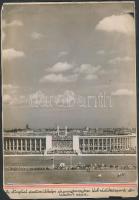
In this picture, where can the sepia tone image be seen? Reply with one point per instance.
(69, 98)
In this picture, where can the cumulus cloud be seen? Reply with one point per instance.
(117, 23)
(10, 86)
(36, 35)
(59, 78)
(38, 94)
(37, 99)
(10, 54)
(10, 89)
(123, 92)
(11, 95)
(108, 72)
(120, 59)
(40, 99)
(12, 23)
(60, 67)
(62, 53)
(87, 69)
(7, 99)
(91, 76)
(14, 100)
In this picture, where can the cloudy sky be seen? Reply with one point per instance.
(81, 49)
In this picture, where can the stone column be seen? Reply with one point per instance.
(6, 144)
(17, 144)
(110, 144)
(117, 143)
(98, 144)
(126, 143)
(88, 144)
(13, 144)
(40, 144)
(113, 144)
(35, 144)
(106, 144)
(9, 144)
(76, 146)
(49, 143)
(21, 145)
(93, 144)
(130, 142)
(102, 145)
(121, 143)
(83, 145)
(25, 144)
(46, 143)
(30, 143)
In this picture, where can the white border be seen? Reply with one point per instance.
(70, 3)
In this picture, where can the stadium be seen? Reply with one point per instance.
(69, 155)
(70, 141)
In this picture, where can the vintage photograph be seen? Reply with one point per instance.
(69, 99)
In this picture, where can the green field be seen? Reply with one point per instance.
(62, 176)
(47, 160)
(67, 176)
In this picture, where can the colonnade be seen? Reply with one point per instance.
(105, 144)
(24, 144)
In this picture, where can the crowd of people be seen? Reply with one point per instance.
(79, 166)
(61, 151)
(62, 144)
